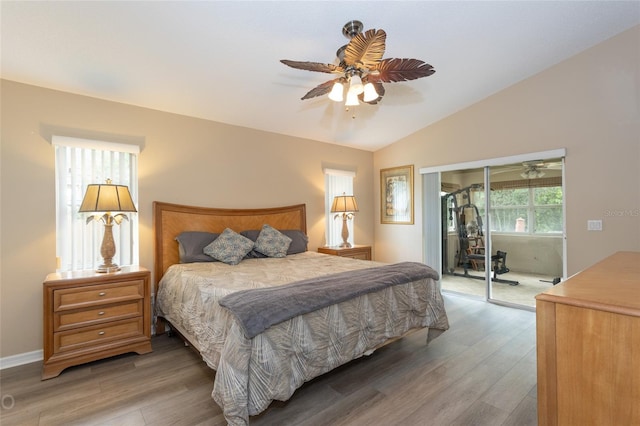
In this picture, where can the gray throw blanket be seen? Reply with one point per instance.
(260, 308)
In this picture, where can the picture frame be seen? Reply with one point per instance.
(396, 195)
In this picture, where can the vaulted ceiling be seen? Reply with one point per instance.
(220, 60)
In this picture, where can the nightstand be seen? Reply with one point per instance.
(90, 316)
(355, 252)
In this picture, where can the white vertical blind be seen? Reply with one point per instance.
(336, 182)
(80, 162)
(432, 221)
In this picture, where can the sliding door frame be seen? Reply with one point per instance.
(431, 220)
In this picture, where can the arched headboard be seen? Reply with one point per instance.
(169, 220)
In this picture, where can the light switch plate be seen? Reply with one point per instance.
(594, 225)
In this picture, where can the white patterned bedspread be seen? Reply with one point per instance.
(251, 373)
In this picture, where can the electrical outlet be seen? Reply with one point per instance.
(594, 225)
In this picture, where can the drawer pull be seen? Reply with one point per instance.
(101, 333)
(101, 313)
(102, 293)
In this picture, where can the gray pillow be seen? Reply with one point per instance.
(230, 247)
(272, 242)
(191, 245)
(299, 241)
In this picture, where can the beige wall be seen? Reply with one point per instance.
(589, 105)
(183, 160)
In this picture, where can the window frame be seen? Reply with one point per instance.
(531, 208)
(92, 161)
(337, 182)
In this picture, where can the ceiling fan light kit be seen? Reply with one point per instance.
(362, 67)
(337, 92)
(355, 85)
(370, 93)
(352, 99)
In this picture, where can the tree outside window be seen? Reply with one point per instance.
(526, 210)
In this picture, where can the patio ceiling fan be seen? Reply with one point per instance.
(361, 68)
(532, 169)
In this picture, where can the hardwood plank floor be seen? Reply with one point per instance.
(482, 371)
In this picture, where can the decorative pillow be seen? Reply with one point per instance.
(230, 247)
(272, 242)
(299, 241)
(191, 245)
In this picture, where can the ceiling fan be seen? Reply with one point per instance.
(532, 169)
(360, 65)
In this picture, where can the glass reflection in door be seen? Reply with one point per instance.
(525, 208)
(463, 232)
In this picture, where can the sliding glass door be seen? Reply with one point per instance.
(463, 232)
(501, 228)
(526, 229)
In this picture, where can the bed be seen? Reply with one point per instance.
(267, 323)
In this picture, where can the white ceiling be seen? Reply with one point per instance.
(219, 60)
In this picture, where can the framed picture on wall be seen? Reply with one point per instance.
(396, 195)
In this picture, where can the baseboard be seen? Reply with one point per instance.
(21, 359)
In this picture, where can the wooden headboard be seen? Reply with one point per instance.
(169, 220)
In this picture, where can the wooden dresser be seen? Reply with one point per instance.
(355, 252)
(588, 346)
(90, 316)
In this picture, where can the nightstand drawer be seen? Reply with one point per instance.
(72, 319)
(361, 256)
(77, 298)
(96, 335)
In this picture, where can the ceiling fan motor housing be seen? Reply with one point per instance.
(352, 29)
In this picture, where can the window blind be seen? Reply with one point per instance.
(78, 163)
(528, 183)
(336, 182)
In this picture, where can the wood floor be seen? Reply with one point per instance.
(482, 371)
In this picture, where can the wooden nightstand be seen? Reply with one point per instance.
(355, 252)
(90, 316)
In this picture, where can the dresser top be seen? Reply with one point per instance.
(612, 284)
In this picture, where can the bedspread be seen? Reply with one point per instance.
(252, 372)
(260, 308)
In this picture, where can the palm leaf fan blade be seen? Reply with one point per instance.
(366, 49)
(394, 69)
(312, 66)
(320, 90)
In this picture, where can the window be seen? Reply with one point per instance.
(547, 210)
(535, 209)
(80, 162)
(336, 182)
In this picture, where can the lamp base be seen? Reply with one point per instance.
(345, 232)
(108, 249)
(105, 269)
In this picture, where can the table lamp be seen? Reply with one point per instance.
(344, 206)
(107, 198)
